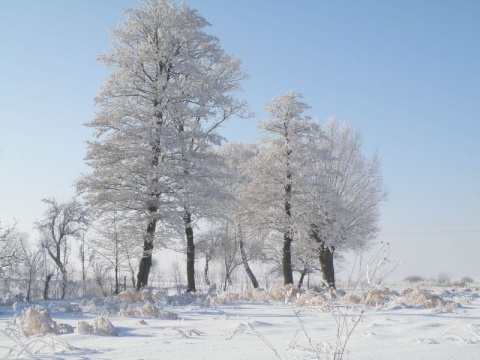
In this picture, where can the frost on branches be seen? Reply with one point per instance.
(312, 189)
(171, 87)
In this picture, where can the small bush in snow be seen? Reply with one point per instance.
(352, 299)
(414, 279)
(282, 293)
(443, 279)
(35, 320)
(101, 326)
(467, 280)
(313, 298)
(148, 310)
(181, 299)
(255, 295)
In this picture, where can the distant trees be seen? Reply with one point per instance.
(61, 222)
(299, 197)
(8, 248)
(159, 111)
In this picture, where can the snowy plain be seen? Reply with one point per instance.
(425, 322)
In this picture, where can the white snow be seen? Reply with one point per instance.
(430, 323)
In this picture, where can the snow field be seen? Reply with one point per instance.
(411, 324)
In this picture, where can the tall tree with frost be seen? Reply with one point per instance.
(171, 87)
(278, 171)
(61, 222)
(345, 197)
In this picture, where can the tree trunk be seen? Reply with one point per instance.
(325, 255)
(249, 271)
(287, 235)
(187, 217)
(287, 260)
(48, 277)
(146, 261)
(302, 277)
(29, 287)
(117, 286)
(64, 281)
(207, 280)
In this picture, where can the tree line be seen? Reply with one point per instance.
(161, 175)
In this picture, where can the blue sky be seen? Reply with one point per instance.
(406, 73)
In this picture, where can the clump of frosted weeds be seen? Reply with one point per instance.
(224, 298)
(181, 299)
(421, 297)
(132, 296)
(37, 320)
(313, 298)
(283, 293)
(352, 299)
(375, 298)
(148, 310)
(255, 295)
(101, 326)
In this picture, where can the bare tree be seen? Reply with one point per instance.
(208, 246)
(8, 248)
(61, 223)
(85, 254)
(32, 260)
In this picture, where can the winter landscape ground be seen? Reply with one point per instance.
(424, 321)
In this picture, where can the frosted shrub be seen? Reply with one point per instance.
(425, 299)
(63, 307)
(35, 320)
(283, 293)
(375, 298)
(181, 299)
(129, 296)
(414, 279)
(255, 295)
(228, 297)
(352, 299)
(101, 326)
(148, 310)
(420, 297)
(313, 298)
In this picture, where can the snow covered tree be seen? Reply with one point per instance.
(171, 87)
(61, 222)
(344, 198)
(278, 171)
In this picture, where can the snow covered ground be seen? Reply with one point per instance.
(427, 323)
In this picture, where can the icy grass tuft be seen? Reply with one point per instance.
(101, 326)
(148, 310)
(37, 320)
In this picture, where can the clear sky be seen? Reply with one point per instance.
(406, 73)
